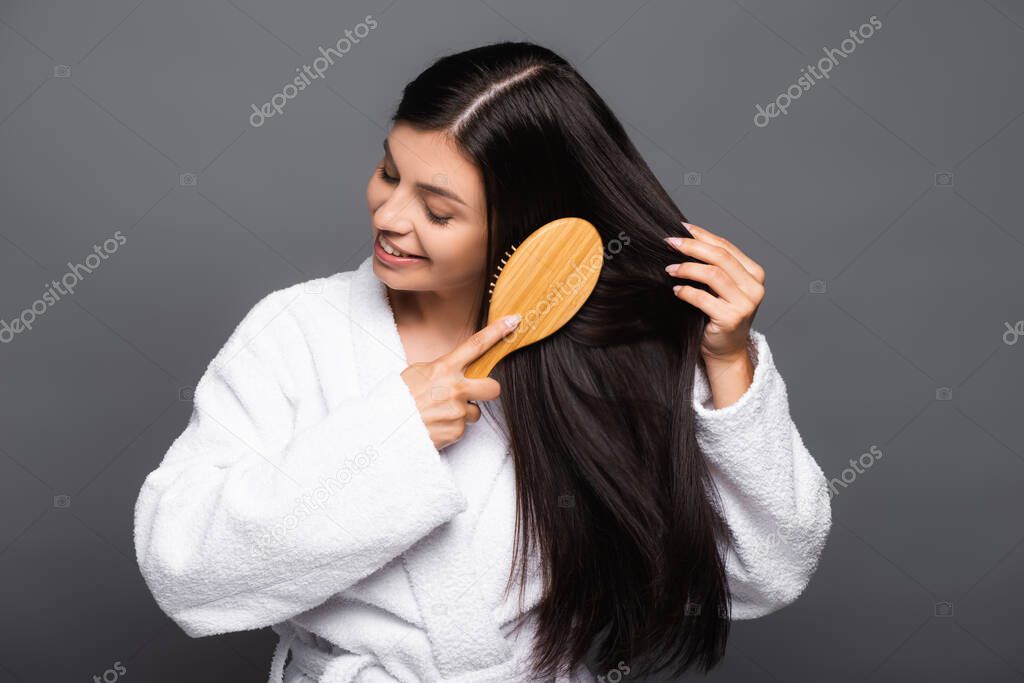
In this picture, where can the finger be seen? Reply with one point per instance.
(715, 308)
(749, 264)
(718, 256)
(483, 389)
(478, 344)
(713, 276)
(472, 413)
(451, 432)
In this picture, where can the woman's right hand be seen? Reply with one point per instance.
(443, 393)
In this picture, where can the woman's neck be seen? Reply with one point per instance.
(445, 315)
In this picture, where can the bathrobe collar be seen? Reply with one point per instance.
(463, 631)
(378, 348)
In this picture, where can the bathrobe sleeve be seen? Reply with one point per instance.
(775, 496)
(246, 523)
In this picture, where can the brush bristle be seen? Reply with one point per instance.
(494, 277)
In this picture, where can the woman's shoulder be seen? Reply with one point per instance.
(304, 298)
(292, 340)
(290, 315)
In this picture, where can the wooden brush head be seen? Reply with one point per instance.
(545, 279)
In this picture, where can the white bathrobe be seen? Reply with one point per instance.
(305, 494)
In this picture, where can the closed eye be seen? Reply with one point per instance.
(431, 216)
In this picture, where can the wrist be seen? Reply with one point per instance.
(728, 377)
(735, 360)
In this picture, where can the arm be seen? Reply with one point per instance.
(775, 497)
(246, 523)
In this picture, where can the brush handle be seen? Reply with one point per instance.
(483, 365)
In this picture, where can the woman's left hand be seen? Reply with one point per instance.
(737, 280)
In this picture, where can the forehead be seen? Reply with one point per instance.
(433, 157)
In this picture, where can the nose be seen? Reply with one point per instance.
(394, 214)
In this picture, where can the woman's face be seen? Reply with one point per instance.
(426, 200)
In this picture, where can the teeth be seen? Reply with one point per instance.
(388, 248)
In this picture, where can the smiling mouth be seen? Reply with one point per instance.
(392, 250)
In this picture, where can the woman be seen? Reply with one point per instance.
(638, 476)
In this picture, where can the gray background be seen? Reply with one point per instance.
(922, 281)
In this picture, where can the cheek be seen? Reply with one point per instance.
(455, 258)
(375, 195)
(466, 256)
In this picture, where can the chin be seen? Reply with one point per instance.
(383, 274)
(394, 280)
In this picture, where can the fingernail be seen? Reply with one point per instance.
(676, 242)
(512, 321)
(671, 268)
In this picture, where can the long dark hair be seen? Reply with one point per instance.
(611, 483)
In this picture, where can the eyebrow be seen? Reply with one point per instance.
(427, 187)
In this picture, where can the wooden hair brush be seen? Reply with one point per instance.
(545, 279)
